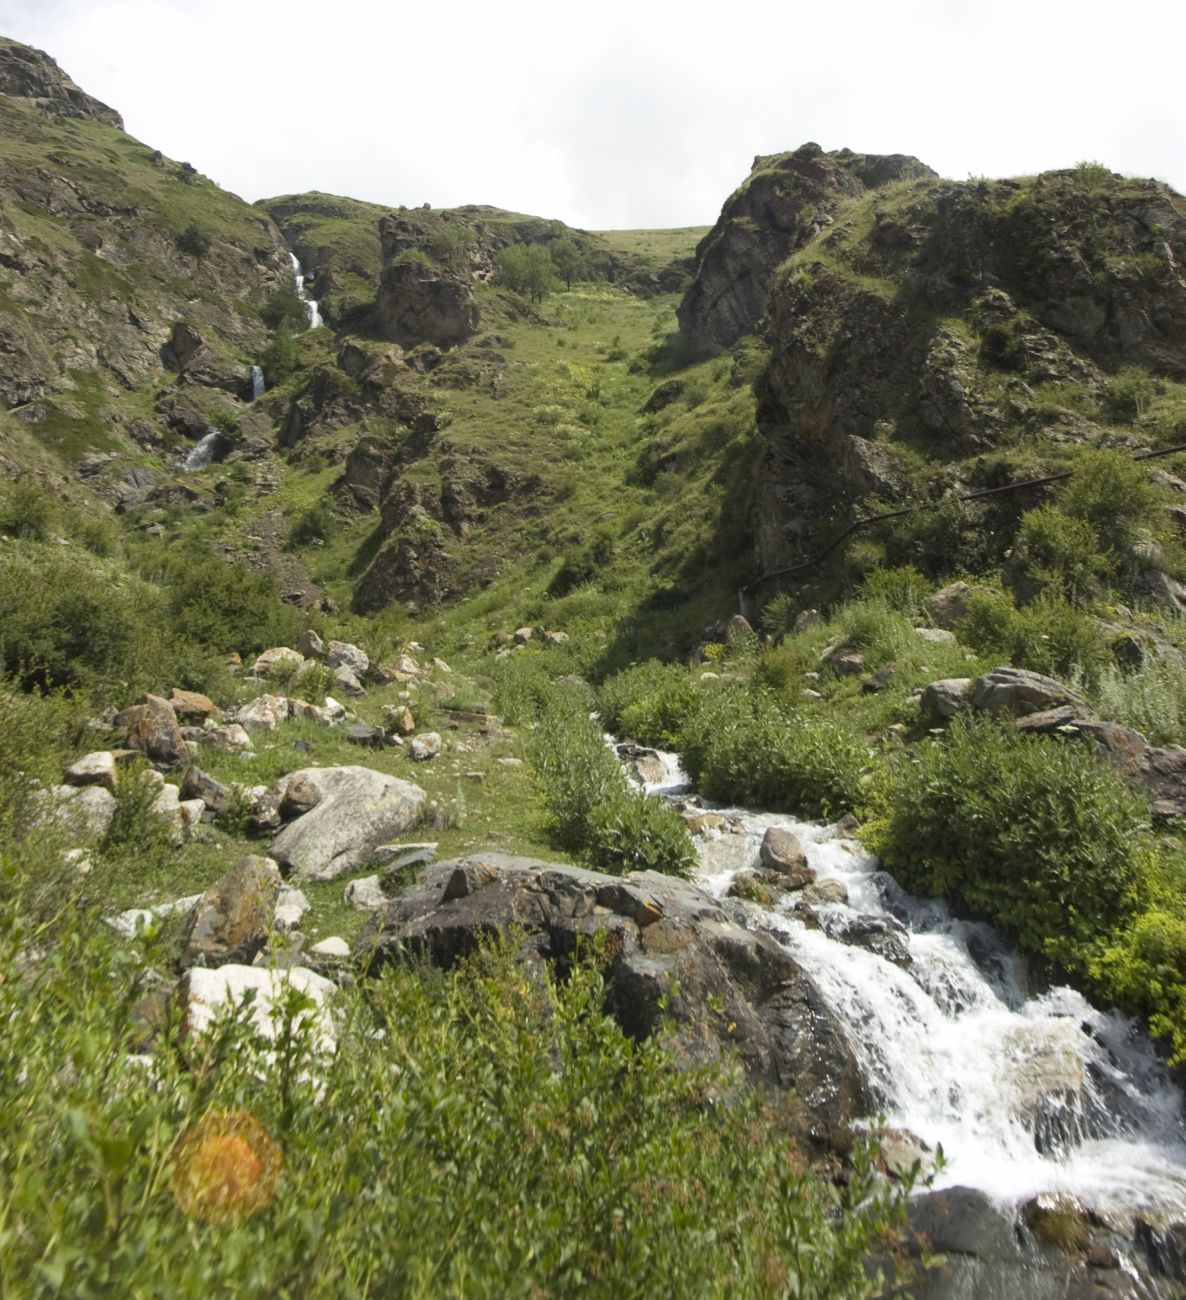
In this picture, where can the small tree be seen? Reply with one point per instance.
(527, 269)
(569, 261)
(194, 241)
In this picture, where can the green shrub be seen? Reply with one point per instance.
(632, 833)
(1152, 699)
(27, 510)
(314, 527)
(227, 606)
(551, 1154)
(648, 702)
(1049, 636)
(1114, 495)
(1032, 834)
(743, 746)
(285, 312)
(1058, 553)
(903, 589)
(1128, 394)
(1145, 972)
(65, 623)
(778, 615)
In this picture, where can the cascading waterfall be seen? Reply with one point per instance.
(1027, 1092)
(202, 452)
(299, 279)
(257, 383)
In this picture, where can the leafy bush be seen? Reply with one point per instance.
(1114, 495)
(1032, 834)
(648, 702)
(1145, 972)
(1152, 700)
(285, 312)
(27, 510)
(550, 1153)
(902, 589)
(314, 527)
(743, 746)
(1128, 394)
(591, 810)
(778, 615)
(227, 606)
(1059, 553)
(1049, 636)
(64, 623)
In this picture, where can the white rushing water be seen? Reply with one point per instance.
(299, 279)
(1026, 1092)
(202, 452)
(257, 383)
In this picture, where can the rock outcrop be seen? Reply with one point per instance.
(32, 77)
(737, 990)
(786, 200)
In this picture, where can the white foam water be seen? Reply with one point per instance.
(298, 277)
(202, 452)
(1026, 1091)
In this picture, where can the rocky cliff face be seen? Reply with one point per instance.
(105, 246)
(944, 324)
(32, 77)
(783, 204)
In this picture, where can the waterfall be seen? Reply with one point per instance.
(257, 383)
(202, 452)
(299, 279)
(1027, 1091)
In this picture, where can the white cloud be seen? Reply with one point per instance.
(627, 114)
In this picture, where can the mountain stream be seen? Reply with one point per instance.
(1027, 1090)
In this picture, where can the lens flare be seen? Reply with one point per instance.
(226, 1168)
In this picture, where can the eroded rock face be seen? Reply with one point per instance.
(786, 200)
(32, 76)
(358, 811)
(420, 303)
(737, 989)
(1017, 691)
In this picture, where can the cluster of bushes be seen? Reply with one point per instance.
(549, 1152)
(590, 810)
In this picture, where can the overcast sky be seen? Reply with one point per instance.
(619, 113)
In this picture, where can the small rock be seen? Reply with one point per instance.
(341, 654)
(942, 700)
(331, 947)
(366, 893)
(192, 706)
(291, 906)
(83, 810)
(441, 666)
(310, 645)
(264, 713)
(425, 746)
(522, 635)
(555, 638)
(949, 605)
(202, 993)
(361, 733)
(309, 712)
(152, 729)
(510, 762)
(346, 680)
(781, 851)
(807, 621)
(79, 861)
(93, 769)
(127, 923)
(232, 737)
(233, 918)
(825, 891)
(1020, 692)
(400, 719)
(935, 635)
(217, 797)
(297, 795)
(279, 661)
(880, 680)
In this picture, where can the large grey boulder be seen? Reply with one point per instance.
(949, 605)
(737, 990)
(153, 730)
(1020, 692)
(942, 700)
(359, 810)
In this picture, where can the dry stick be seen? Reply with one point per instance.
(913, 510)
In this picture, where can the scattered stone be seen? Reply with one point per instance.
(264, 713)
(807, 621)
(232, 737)
(425, 746)
(85, 811)
(359, 810)
(341, 654)
(346, 680)
(510, 761)
(280, 661)
(79, 861)
(881, 936)
(400, 719)
(93, 769)
(750, 887)
(152, 729)
(334, 946)
(738, 626)
(905, 1154)
(127, 923)
(949, 604)
(825, 891)
(233, 918)
(202, 993)
(522, 635)
(441, 666)
(942, 700)
(702, 823)
(555, 638)
(366, 893)
(880, 680)
(296, 795)
(291, 906)
(310, 645)
(192, 706)
(217, 797)
(935, 635)
(1020, 692)
(361, 733)
(781, 851)
(312, 713)
(809, 694)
